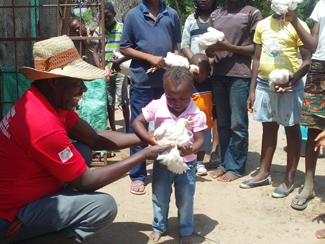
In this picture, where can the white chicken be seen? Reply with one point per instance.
(212, 36)
(173, 60)
(125, 65)
(281, 7)
(279, 76)
(178, 135)
(176, 60)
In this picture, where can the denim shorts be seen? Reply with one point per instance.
(118, 85)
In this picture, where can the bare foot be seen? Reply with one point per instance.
(216, 173)
(227, 177)
(320, 234)
(186, 240)
(138, 187)
(155, 236)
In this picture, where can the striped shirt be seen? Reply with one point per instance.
(112, 40)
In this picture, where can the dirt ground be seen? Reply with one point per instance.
(223, 212)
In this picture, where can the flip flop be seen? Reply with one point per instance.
(138, 192)
(303, 206)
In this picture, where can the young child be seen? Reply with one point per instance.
(118, 83)
(78, 28)
(202, 97)
(176, 103)
(277, 48)
(151, 30)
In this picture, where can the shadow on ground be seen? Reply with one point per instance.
(132, 232)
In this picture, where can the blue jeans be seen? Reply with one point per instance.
(64, 216)
(139, 98)
(229, 96)
(162, 181)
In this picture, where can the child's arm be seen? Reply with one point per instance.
(310, 41)
(301, 72)
(196, 146)
(141, 131)
(96, 56)
(256, 65)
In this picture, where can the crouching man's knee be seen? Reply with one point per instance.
(106, 210)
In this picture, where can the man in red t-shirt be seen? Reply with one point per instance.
(36, 155)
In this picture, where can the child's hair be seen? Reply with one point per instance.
(76, 18)
(176, 75)
(199, 58)
(109, 6)
(198, 9)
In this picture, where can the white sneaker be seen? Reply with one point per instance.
(201, 170)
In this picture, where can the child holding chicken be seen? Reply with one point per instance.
(175, 104)
(276, 47)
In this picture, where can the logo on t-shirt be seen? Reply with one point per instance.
(65, 155)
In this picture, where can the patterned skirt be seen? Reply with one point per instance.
(313, 105)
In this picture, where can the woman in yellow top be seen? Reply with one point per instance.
(276, 47)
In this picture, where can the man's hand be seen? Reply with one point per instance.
(152, 152)
(157, 61)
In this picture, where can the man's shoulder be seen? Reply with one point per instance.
(171, 11)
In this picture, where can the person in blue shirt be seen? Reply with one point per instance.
(150, 31)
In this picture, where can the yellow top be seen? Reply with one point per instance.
(279, 47)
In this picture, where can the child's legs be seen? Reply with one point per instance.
(162, 180)
(110, 90)
(310, 161)
(215, 136)
(294, 141)
(184, 194)
(269, 141)
(206, 147)
(123, 98)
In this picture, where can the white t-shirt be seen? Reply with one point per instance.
(319, 15)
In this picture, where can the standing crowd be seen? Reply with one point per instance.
(47, 190)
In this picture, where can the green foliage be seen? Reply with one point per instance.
(183, 7)
(86, 15)
(304, 10)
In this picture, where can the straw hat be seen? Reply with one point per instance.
(58, 57)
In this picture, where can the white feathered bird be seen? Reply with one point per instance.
(178, 134)
(125, 65)
(212, 36)
(279, 76)
(281, 7)
(173, 60)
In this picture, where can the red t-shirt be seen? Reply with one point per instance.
(36, 155)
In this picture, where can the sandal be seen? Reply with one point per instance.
(138, 192)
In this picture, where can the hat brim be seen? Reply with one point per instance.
(78, 69)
